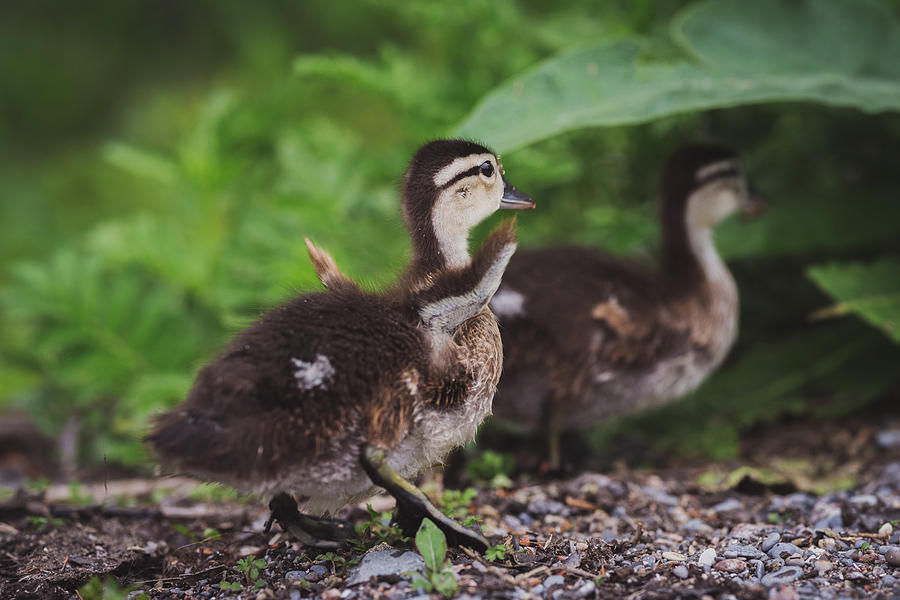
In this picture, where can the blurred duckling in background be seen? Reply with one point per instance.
(334, 393)
(588, 336)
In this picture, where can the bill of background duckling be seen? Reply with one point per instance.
(588, 336)
(334, 393)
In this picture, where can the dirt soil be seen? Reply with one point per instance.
(769, 525)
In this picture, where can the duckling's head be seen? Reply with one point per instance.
(704, 184)
(449, 187)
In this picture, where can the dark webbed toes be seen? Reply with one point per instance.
(317, 532)
(413, 505)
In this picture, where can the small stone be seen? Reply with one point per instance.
(744, 551)
(678, 556)
(783, 550)
(731, 565)
(707, 558)
(782, 576)
(680, 571)
(320, 570)
(892, 557)
(295, 575)
(864, 499)
(331, 594)
(823, 566)
(586, 589)
(888, 438)
(380, 563)
(573, 560)
(553, 581)
(785, 593)
(771, 539)
(886, 530)
(727, 505)
(698, 526)
(758, 567)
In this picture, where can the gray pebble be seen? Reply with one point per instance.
(864, 499)
(888, 438)
(295, 595)
(680, 572)
(744, 551)
(892, 557)
(295, 575)
(698, 526)
(320, 570)
(554, 580)
(727, 505)
(384, 562)
(548, 507)
(783, 550)
(771, 539)
(586, 589)
(513, 523)
(781, 576)
(759, 568)
(660, 496)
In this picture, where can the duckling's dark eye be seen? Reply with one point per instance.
(487, 169)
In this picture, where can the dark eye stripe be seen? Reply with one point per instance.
(463, 175)
(729, 172)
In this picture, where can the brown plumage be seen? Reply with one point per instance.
(588, 336)
(294, 400)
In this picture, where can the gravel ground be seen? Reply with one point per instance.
(747, 529)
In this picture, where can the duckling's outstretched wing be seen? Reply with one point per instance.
(326, 268)
(460, 294)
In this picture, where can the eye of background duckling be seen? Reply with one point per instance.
(487, 169)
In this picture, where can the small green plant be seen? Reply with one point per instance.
(376, 530)
(496, 553)
(107, 589)
(208, 533)
(864, 546)
(491, 468)
(250, 567)
(336, 560)
(439, 576)
(777, 519)
(41, 523)
(213, 492)
(76, 496)
(455, 503)
(36, 486)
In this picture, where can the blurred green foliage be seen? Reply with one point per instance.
(160, 162)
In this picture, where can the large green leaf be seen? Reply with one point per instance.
(836, 52)
(871, 291)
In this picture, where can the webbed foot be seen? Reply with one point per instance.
(413, 505)
(317, 532)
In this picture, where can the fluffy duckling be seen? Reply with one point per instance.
(588, 336)
(334, 393)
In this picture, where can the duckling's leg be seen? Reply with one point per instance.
(317, 532)
(413, 505)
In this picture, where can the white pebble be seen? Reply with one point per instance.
(674, 556)
(707, 557)
(887, 529)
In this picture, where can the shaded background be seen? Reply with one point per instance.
(160, 162)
